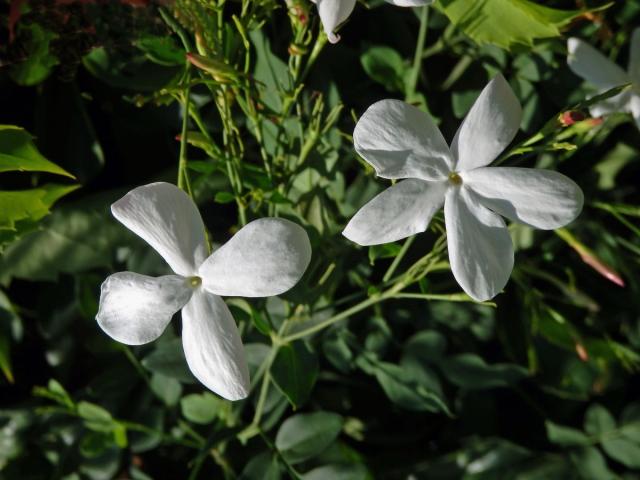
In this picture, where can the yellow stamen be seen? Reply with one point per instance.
(455, 178)
(194, 281)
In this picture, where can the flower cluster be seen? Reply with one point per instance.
(403, 143)
(266, 257)
(269, 256)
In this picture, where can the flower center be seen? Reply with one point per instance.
(194, 282)
(455, 179)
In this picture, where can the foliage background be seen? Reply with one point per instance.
(410, 379)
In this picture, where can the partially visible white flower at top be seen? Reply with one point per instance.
(266, 257)
(604, 74)
(334, 12)
(402, 142)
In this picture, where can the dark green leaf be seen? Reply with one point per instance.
(598, 421)
(590, 464)
(385, 66)
(338, 472)
(471, 372)
(294, 371)
(304, 436)
(200, 408)
(168, 359)
(566, 436)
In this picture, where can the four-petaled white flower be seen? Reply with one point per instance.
(266, 257)
(595, 68)
(334, 12)
(401, 142)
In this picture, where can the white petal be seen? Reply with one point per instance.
(410, 3)
(398, 212)
(168, 220)
(212, 346)
(332, 14)
(400, 141)
(634, 57)
(593, 66)
(635, 109)
(539, 198)
(618, 104)
(489, 127)
(266, 257)
(135, 309)
(480, 248)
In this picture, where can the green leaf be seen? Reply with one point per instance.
(5, 357)
(270, 71)
(507, 23)
(19, 153)
(262, 467)
(469, 371)
(39, 61)
(224, 197)
(161, 50)
(609, 167)
(598, 420)
(403, 390)
(591, 464)
(304, 436)
(96, 418)
(32, 205)
(166, 388)
(630, 422)
(428, 346)
(70, 240)
(385, 66)
(168, 359)
(355, 471)
(94, 444)
(566, 436)
(200, 408)
(294, 372)
(623, 450)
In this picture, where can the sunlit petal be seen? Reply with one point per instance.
(489, 127)
(212, 346)
(593, 66)
(480, 248)
(168, 220)
(400, 211)
(540, 198)
(634, 57)
(135, 309)
(400, 141)
(332, 14)
(266, 257)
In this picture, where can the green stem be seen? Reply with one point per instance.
(417, 58)
(448, 297)
(183, 176)
(340, 316)
(398, 259)
(321, 41)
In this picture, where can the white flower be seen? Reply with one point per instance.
(595, 68)
(266, 257)
(401, 142)
(334, 12)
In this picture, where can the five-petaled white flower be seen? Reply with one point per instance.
(334, 12)
(595, 68)
(401, 142)
(266, 257)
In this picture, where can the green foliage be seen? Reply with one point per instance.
(304, 436)
(508, 23)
